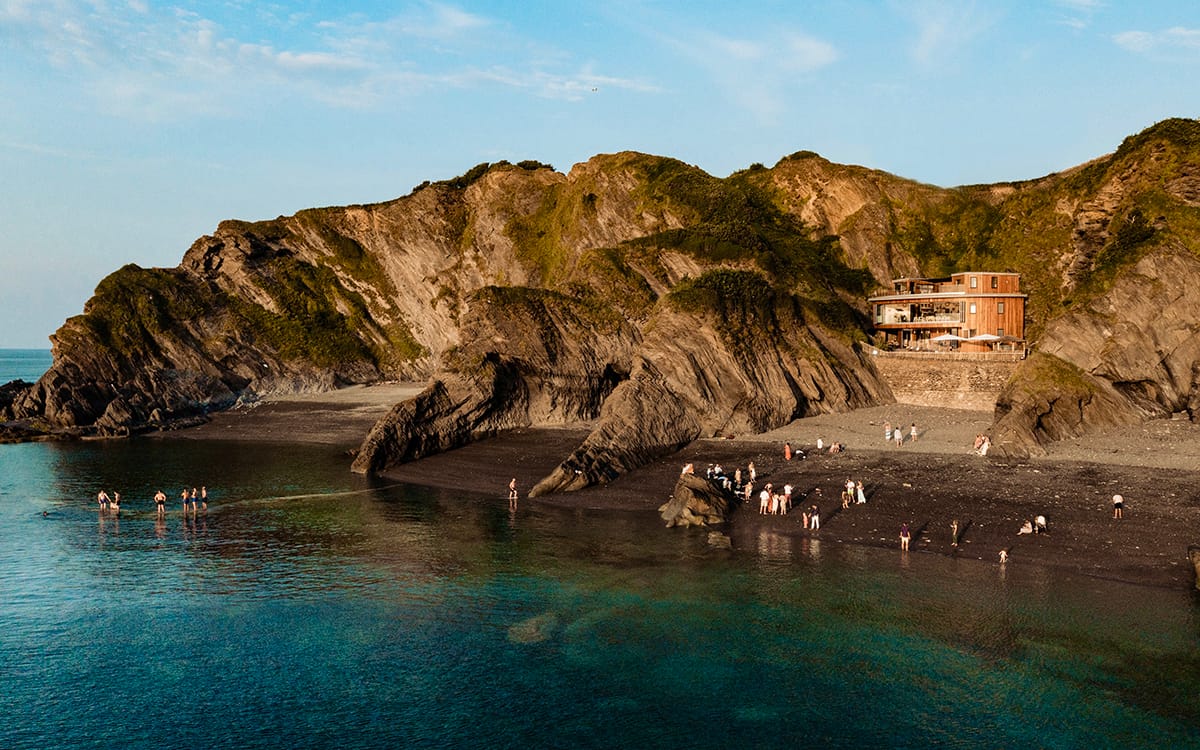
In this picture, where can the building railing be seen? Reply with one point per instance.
(994, 356)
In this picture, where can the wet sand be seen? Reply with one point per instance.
(927, 483)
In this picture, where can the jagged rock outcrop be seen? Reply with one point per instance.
(1129, 355)
(696, 501)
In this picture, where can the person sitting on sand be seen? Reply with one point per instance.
(978, 442)
(1026, 528)
(688, 468)
(1039, 525)
(985, 446)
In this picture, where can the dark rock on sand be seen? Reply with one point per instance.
(696, 501)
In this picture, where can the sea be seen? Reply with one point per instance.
(310, 607)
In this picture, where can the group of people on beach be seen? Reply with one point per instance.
(193, 500)
(896, 434)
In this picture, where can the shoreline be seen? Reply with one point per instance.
(927, 483)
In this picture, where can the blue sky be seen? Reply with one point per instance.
(131, 127)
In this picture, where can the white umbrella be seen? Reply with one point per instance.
(984, 337)
(947, 337)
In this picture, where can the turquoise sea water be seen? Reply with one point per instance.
(24, 364)
(311, 608)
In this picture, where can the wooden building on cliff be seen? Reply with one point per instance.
(973, 311)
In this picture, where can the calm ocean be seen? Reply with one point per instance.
(23, 364)
(312, 608)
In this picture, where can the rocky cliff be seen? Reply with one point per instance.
(651, 300)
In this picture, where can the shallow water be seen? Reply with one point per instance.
(312, 608)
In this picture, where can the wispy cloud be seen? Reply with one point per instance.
(758, 72)
(943, 29)
(1077, 14)
(1173, 42)
(152, 62)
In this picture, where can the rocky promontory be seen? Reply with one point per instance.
(647, 300)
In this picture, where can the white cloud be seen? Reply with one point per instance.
(943, 29)
(1171, 42)
(153, 63)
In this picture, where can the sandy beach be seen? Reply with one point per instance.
(927, 483)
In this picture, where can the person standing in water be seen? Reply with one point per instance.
(160, 502)
(512, 493)
(905, 535)
(204, 499)
(103, 499)
(183, 497)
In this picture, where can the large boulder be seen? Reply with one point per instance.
(696, 501)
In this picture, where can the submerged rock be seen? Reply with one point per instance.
(535, 629)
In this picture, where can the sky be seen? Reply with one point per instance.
(130, 128)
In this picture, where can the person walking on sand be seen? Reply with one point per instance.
(887, 432)
(954, 533)
(1118, 506)
(814, 519)
(753, 473)
(912, 433)
(905, 535)
(858, 488)
(899, 435)
(787, 451)
(160, 502)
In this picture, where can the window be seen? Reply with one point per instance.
(972, 305)
(999, 331)
(995, 282)
(974, 282)
(999, 308)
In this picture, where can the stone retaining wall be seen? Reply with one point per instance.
(940, 381)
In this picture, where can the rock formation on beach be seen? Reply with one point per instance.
(696, 501)
(649, 300)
